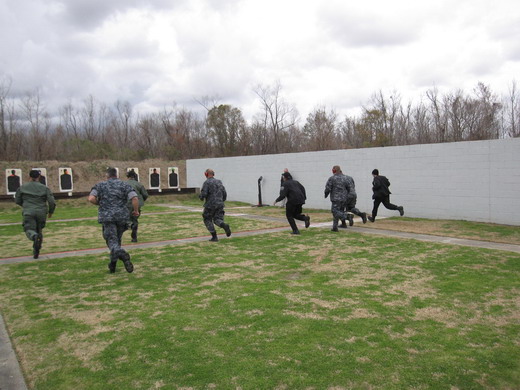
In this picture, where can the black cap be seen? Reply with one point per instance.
(287, 175)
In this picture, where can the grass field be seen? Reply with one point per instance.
(273, 311)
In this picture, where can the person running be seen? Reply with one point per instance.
(112, 196)
(382, 195)
(294, 192)
(338, 187)
(214, 194)
(350, 204)
(142, 195)
(38, 204)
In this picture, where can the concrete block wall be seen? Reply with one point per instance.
(476, 181)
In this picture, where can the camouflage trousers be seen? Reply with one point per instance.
(350, 206)
(213, 216)
(33, 224)
(337, 211)
(113, 233)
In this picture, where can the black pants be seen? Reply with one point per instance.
(386, 203)
(292, 212)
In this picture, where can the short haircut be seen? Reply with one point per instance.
(375, 172)
(111, 172)
(34, 174)
(210, 172)
(337, 168)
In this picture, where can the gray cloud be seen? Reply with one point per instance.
(367, 27)
(333, 54)
(88, 14)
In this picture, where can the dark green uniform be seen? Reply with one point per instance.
(37, 202)
(142, 195)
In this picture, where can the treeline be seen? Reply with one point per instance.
(94, 130)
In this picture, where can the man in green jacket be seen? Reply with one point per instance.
(38, 203)
(142, 195)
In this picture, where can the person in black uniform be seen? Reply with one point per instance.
(295, 194)
(382, 195)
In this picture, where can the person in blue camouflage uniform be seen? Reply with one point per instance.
(112, 196)
(214, 194)
(350, 204)
(338, 186)
(38, 203)
(142, 195)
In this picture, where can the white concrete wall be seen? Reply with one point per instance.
(477, 181)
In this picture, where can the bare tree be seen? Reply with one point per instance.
(276, 116)
(5, 131)
(512, 114)
(70, 120)
(37, 124)
(123, 122)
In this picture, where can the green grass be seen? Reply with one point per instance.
(272, 311)
(317, 311)
(452, 228)
(80, 208)
(84, 234)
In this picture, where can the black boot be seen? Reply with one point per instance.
(134, 233)
(401, 210)
(214, 236)
(125, 257)
(112, 263)
(371, 219)
(335, 226)
(350, 218)
(343, 224)
(37, 244)
(307, 221)
(227, 229)
(364, 217)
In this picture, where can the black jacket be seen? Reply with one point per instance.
(293, 191)
(380, 187)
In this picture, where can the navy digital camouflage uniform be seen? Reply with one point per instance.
(350, 204)
(113, 195)
(338, 186)
(142, 195)
(214, 193)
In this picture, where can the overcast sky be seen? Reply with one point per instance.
(331, 53)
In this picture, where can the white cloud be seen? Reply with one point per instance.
(334, 54)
